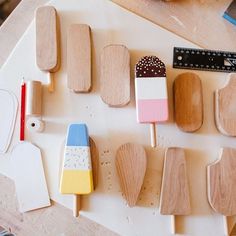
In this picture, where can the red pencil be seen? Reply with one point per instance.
(22, 114)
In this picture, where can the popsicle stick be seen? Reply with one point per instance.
(188, 102)
(47, 41)
(22, 112)
(225, 107)
(225, 224)
(131, 163)
(175, 197)
(153, 134)
(79, 58)
(115, 75)
(51, 84)
(77, 205)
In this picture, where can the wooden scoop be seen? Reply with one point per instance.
(131, 163)
(115, 75)
(225, 107)
(47, 41)
(188, 102)
(175, 198)
(79, 58)
(221, 177)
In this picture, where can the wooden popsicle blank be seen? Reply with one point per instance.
(131, 163)
(115, 75)
(175, 197)
(188, 102)
(79, 58)
(221, 183)
(225, 107)
(47, 39)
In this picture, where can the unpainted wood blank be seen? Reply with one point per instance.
(115, 75)
(225, 107)
(131, 164)
(188, 102)
(175, 197)
(79, 58)
(221, 179)
(47, 39)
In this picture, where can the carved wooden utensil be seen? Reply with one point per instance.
(131, 163)
(175, 198)
(115, 75)
(47, 41)
(225, 107)
(79, 68)
(221, 177)
(188, 102)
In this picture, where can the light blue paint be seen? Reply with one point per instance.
(229, 18)
(77, 135)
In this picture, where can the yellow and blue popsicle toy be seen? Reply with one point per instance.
(76, 177)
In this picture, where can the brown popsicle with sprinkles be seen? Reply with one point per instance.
(151, 93)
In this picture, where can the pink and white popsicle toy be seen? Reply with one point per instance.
(151, 93)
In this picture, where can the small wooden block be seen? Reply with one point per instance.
(175, 198)
(225, 107)
(188, 102)
(115, 75)
(47, 39)
(131, 163)
(79, 58)
(221, 183)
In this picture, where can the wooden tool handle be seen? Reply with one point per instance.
(153, 134)
(77, 205)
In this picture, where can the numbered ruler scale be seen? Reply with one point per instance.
(200, 59)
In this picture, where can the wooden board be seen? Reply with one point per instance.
(131, 165)
(188, 102)
(196, 21)
(175, 198)
(115, 75)
(221, 183)
(47, 39)
(225, 107)
(79, 58)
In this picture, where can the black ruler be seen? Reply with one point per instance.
(200, 59)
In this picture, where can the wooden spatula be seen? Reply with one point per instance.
(115, 75)
(221, 176)
(225, 107)
(47, 41)
(188, 102)
(131, 163)
(175, 198)
(79, 58)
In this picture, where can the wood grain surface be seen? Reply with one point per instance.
(115, 75)
(79, 58)
(225, 107)
(188, 102)
(195, 20)
(47, 39)
(131, 163)
(175, 198)
(221, 183)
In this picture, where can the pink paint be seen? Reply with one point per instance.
(152, 110)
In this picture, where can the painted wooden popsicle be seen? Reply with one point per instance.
(76, 176)
(225, 107)
(175, 198)
(115, 75)
(79, 58)
(47, 41)
(221, 176)
(188, 102)
(151, 93)
(131, 162)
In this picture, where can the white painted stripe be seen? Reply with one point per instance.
(151, 88)
(77, 158)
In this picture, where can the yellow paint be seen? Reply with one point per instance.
(76, 182)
